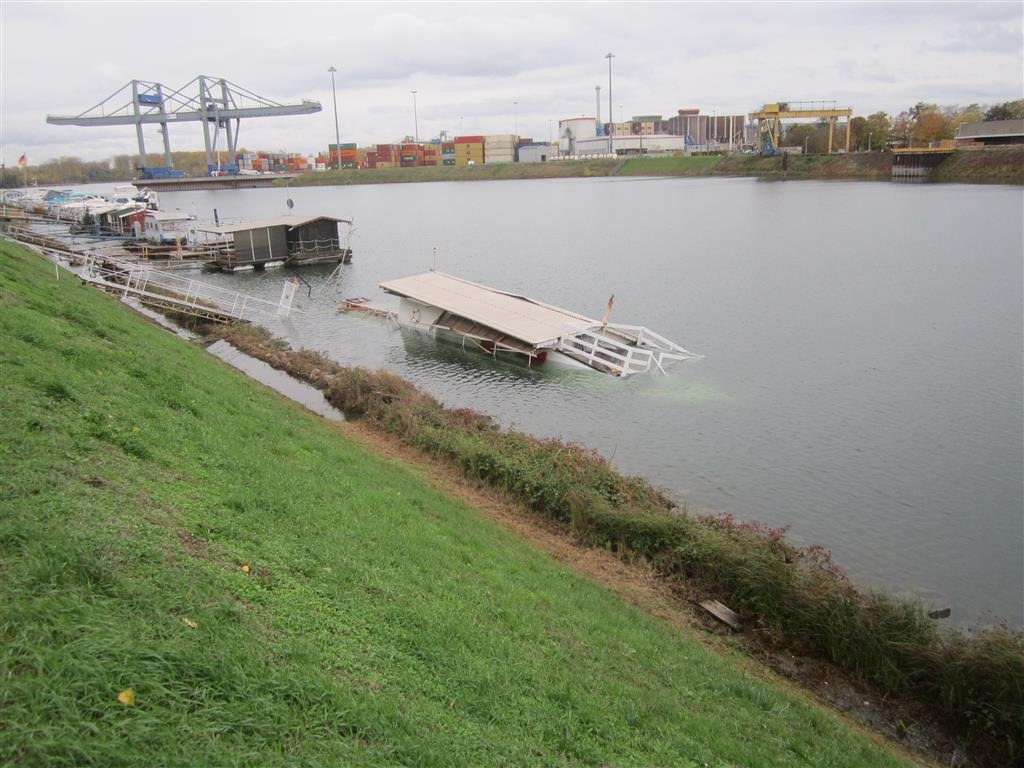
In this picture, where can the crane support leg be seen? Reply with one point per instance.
(204, 97)
(232, 134)
(163, 127)
(138, 123)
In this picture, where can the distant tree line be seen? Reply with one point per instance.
(68, 171)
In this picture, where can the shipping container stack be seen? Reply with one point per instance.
(469, 149)
(244, 161)
(370, 159)
(448, 153)
(500, 148)
(388, 155)
(343, 155)
(296, 163)
(411, 155)
(431, 154)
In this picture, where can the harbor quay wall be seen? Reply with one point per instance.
(988, 166)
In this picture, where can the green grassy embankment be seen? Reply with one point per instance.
(874, 166)
(670, 166)
(989, 166)
(496, 172)
(272, 594)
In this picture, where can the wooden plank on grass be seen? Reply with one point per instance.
(722, 613)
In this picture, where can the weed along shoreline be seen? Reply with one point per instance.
(150, 485)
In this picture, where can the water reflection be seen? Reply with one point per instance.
(862, 378)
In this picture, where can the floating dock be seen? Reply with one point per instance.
(496, 321)
(292, 240)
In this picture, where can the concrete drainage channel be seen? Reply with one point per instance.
(309, 397)
(302, 393)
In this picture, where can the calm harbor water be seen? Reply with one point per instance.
(862, 378)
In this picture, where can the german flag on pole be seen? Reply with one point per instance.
(23, 161)
(608, 314)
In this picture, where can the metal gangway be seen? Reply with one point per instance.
(165, 290)
(622, 350)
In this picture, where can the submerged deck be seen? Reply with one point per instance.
(496, 320)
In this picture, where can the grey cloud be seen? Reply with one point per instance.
(991, 38)
(472, 60)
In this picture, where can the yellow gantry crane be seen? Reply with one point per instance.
(769, 119)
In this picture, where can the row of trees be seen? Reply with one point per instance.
(73, 170)
(920, 125)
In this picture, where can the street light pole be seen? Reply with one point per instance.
(611, 114)
(337, 131)
(415, 118)
(515, 123)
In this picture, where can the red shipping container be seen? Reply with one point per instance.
(469, 140)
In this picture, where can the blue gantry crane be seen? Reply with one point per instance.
(213, 101)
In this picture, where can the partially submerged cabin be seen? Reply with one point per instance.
(293, 240)
(496, 321)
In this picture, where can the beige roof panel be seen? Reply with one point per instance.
(517, 316)
(281, 221)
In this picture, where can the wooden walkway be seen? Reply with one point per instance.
(159, 288)
(166, 290)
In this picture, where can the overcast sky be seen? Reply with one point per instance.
(470, 61)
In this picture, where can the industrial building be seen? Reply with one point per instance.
(687, 131)
(537, 152)
(707, 130)
(989, 133)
